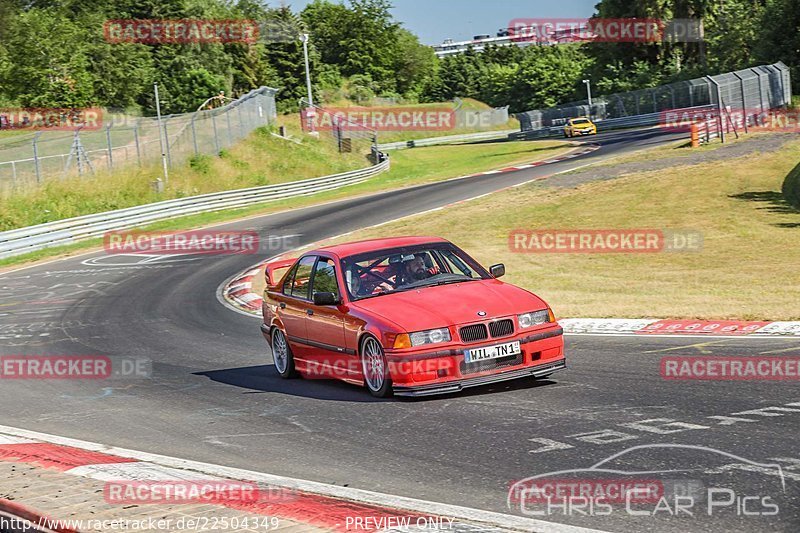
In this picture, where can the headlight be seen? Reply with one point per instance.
(535, 318)
(431, 336)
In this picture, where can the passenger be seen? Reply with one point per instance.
(355, 282)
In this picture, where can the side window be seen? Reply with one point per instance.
(325, 277)
(287, 283)
(302, 277)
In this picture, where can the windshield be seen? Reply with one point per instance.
(580, 121)
(399, 269)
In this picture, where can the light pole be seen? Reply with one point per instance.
(160, 138)
(588, 92)
(310, 113)
(304, 38)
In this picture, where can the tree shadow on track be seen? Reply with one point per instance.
(264, 379)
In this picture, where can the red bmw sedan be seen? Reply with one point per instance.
(410, 316)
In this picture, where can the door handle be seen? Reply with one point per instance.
(283, 305)
(309, 312)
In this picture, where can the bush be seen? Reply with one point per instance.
(200, 163)
(791, 187)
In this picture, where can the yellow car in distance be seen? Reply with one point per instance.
(579, 126)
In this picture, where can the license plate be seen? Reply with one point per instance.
(491, 352)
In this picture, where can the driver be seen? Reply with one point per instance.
(414, 270)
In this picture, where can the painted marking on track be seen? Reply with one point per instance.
(663, 426)
(783, 350)
(119, 260)
(700, 346)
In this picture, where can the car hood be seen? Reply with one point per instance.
(445, 305)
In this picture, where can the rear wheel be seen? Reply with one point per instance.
(376, 370)
(282, 355)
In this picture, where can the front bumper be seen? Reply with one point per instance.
(444, 388)
(422, 373)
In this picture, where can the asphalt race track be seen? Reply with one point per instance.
(214, 396)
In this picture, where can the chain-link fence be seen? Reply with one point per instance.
(333, 127)
(748, 92)
(31, 158)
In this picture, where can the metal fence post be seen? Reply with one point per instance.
(241, 123)
(744, 100)
(216, 137)
(194, 135)
(760, 89)
(719, 107)
(136, 141)
(166, 141)
(36, 157)
(110, 148)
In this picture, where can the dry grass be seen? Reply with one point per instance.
(747, 269)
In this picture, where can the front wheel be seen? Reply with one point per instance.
(376, 370)
(282, 355)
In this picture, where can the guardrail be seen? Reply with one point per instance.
(635, 121)
(447, 139)
(20, 241)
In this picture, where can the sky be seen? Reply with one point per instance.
(436, 20)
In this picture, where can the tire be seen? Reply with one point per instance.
(565, 135)
(282, 355)
(375, 368)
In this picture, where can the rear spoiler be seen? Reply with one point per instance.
(273, 267)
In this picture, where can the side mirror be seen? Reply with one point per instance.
(498, 270)
(325, 298)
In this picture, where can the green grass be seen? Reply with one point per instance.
(747, 268)
(261, 159)
(410, 167)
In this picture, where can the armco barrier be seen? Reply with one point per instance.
(61, 232)
(447, 139)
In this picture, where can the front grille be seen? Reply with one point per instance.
(474, 332)
(501, 328)
(490, 364)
